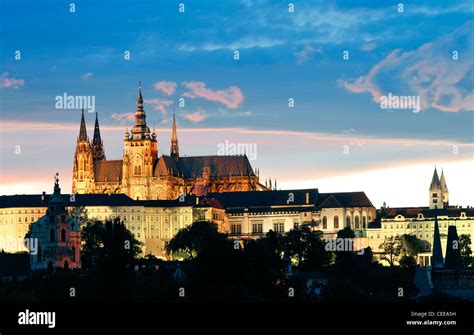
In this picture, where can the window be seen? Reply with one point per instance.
(279, 227)
(257, 228)
(356, 222)
(51, 235)
(63, 235)
(348, 221)
(296, 224)
(325, 222)
(364, 222)
(236, 229)
(336, 222)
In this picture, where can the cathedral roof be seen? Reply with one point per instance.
(219, 166)
(435, 181)
(108, 170)
(412, 212)
(344, 200)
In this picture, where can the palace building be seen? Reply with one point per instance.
(143, 174)
(420, 221)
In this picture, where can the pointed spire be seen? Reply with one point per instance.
(96, 139)
(435, 180)
(453, 259)
(437, 257)
(140, 130)
(82, 130)
(442, 182)
(174, 151)
(97, 144)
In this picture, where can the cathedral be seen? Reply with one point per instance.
(142, 174)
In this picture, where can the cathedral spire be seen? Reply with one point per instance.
(174, 151)
(442, 182)
(82, 130)
(140, 130)
(435, 180)
(97, 144)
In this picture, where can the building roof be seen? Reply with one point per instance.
(435, 180)
(412, 212)
(344, 200)
(217, 166)
(108, 170)
(265, 199)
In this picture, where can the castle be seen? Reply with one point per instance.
(144, 175)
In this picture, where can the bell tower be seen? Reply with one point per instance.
(83, 173)
(140, 153)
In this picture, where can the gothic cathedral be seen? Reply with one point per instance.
(144, 175)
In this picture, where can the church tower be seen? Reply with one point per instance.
(83, 173)
(98, 153)
(139, 156)
(58, 236)
(438, 192)
(444, 190)
(174, 151)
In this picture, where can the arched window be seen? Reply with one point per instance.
(51, 235)
(63, 235)
(336, 222)
(348, 221)
(364, 222)
(356, 222)
(325, 222)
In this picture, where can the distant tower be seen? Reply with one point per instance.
(139, 154)
(444, 190)
(436, 192)
(174, 151)
(82, 174)
(98, 153)
(58, 236)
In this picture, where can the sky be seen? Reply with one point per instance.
(302, 84)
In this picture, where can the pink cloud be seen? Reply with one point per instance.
(167, 87)
(440, 80)
(124, 117)
(10, 82)
(160, 105)
(197, 116)
(231, 97)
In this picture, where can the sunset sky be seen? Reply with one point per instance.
(335, 138)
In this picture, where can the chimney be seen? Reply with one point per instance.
(307, 197)
(197, 200)
(43, 196)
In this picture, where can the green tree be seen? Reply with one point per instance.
(306, 248)
(390, 249)
(465, 249)
(410, 245)
(191, 241)
(108, 246)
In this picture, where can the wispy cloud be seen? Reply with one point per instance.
(431, 71)
(196, 117)
(87, 75)
(10, 82)
(123, 118)
(306, 53)
(167, 87)
(244, 43)
(231, 97)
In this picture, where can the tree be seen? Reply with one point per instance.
(109, 246)
(345, 257)
(306, 248)
(465, 249)
(191, 241)
(390, 250)
(407, 261)
(410, 245)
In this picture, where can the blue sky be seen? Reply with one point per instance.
(283, 55)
